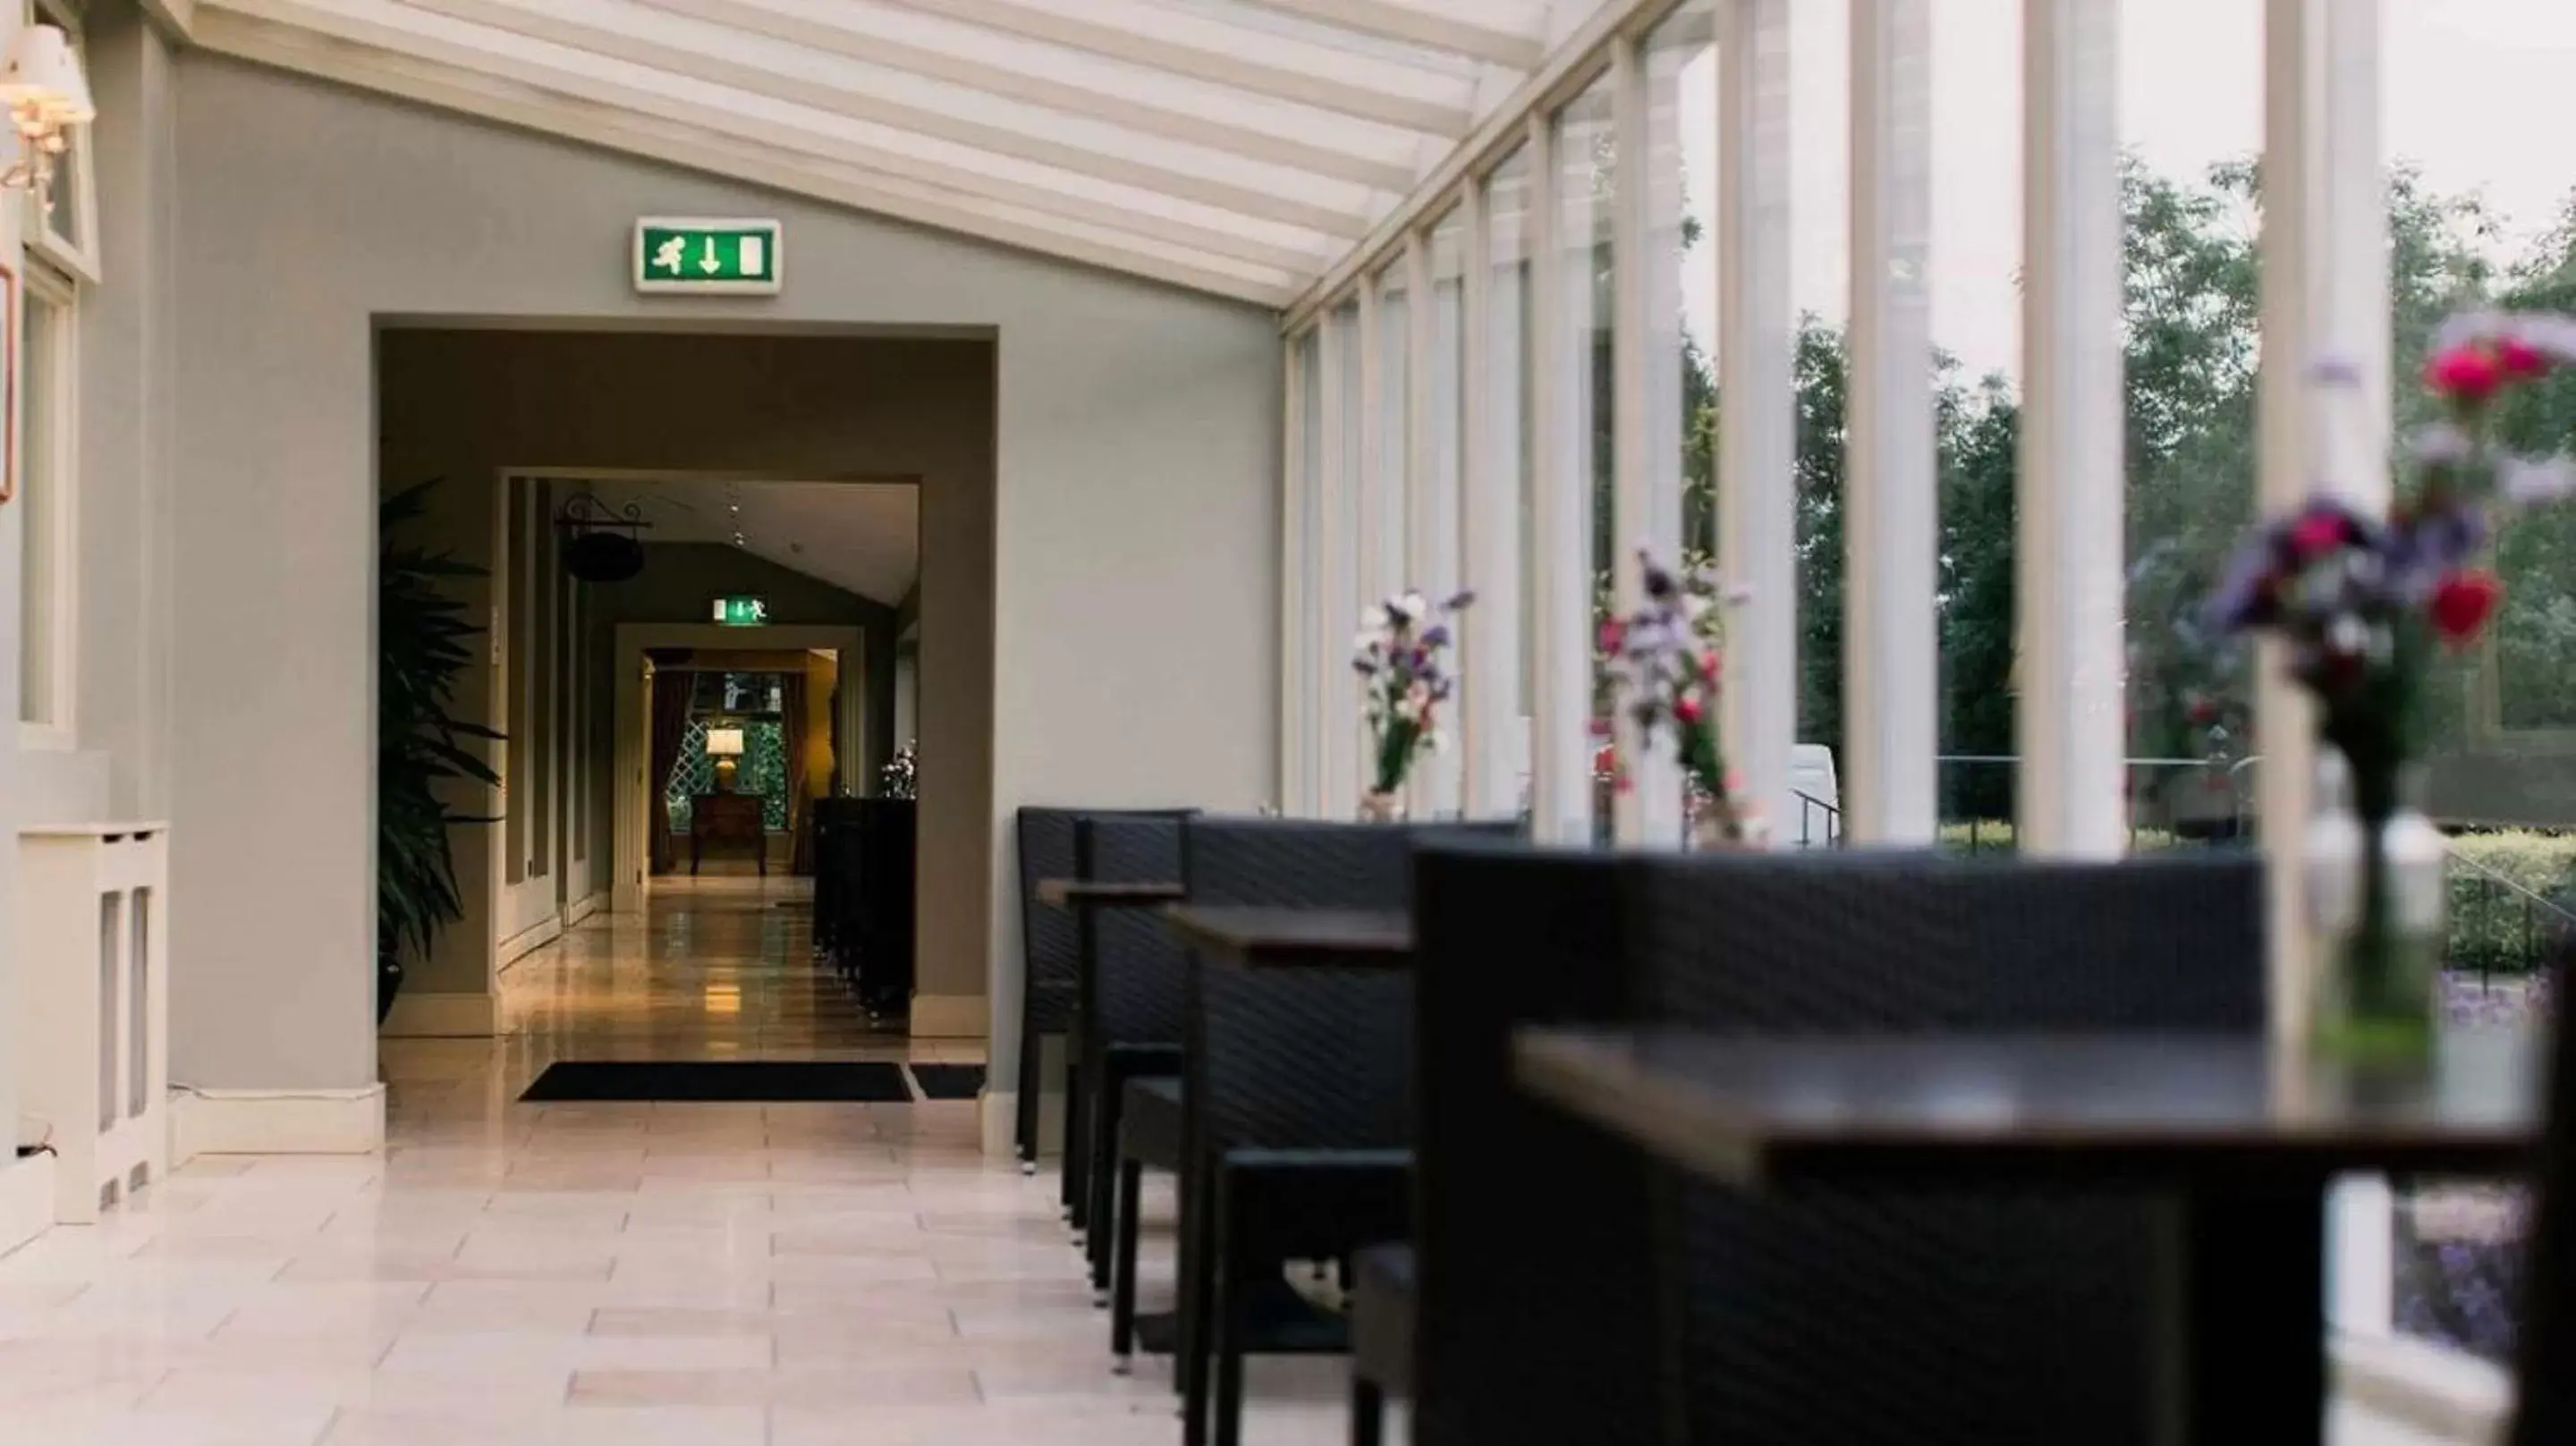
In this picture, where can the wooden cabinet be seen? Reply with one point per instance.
(733, 817)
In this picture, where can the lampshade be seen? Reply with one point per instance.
(43, 70)
(724, 743)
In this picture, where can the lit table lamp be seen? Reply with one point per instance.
(724, 745)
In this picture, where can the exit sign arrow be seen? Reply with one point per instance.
(708, 257)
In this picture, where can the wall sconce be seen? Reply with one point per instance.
(42, 84)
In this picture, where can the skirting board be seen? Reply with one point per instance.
(1001, 1113)
(526, 941)
(950, 1016)
(276, 1122)
(583, 908)
(27, 1200)
(425, 1015)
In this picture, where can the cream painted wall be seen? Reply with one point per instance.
(1131, 610)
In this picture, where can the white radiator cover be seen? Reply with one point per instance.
(94, 1006)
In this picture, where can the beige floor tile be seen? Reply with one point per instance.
(561, 1426)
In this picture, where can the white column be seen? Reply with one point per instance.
(1561, 708)
(1296, 565)
(2072, 721)
(1757, 488)
(1336, 613)
(1891, 632)
(1489, 646)
(1645, 494)
(2325, 295)
(1431, 526)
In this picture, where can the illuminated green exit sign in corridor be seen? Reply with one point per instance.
(719, 258)
(742, 612)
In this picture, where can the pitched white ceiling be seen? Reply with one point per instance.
(861, 537)
(1233, 146)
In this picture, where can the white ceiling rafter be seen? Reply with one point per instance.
(991, 63)
(757, 65)
(1248, 148)
(1245, 58)
(785, 124)
(467, 91)
(1431, 26)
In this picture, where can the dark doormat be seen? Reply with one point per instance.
(753, 1081)
(949, 1081)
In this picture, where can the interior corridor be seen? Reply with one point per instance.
(619, 1274)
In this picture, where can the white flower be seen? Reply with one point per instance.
(1373, 619)
(1414, 606)
(1365, 644)
(2443, 445)
(2347, 635)
(2532, 480)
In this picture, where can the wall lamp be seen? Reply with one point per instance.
(42, 84)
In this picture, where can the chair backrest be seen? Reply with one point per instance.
(1529, 1323)
(2545, 1347)
(1931, 1317)
(1297, 1058)
(1139, 968)
(1048, 942)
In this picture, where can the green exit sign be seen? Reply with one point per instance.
(742, 612)
(710, 258)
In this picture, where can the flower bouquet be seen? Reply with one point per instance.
(1399, 656)
(900, 778)
(1664, 658)
(2362, 605)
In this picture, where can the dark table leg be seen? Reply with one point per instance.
(2243, 1330)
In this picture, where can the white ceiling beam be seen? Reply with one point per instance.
(1568, 69)
(1418, 25)
(1247, 65)
(1023, 84)
(331, 18)
(520, 18)
(474, 93)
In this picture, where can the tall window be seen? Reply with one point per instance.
(62, 225)
(48, 469)
(1384, 524)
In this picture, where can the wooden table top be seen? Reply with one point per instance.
(2142, 1109)
(1272, 937)
(1066, 893)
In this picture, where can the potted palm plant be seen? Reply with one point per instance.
(422, 635)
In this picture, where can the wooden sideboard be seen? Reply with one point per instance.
(734, 817)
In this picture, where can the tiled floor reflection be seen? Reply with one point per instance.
(626, 1275)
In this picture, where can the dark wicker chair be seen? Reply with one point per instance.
(1048, 961)
(1298, 1087)
(1129, 1017)
(1924, 1317)
(2545, 1351)
(1523, 1320)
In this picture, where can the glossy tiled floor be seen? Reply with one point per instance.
(628, 1275)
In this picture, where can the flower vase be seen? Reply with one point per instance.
(2376, 898)
(1380, 805)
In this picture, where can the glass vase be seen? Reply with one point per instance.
(2377, 894)
(1380, 805)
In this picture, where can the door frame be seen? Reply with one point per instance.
(630, 874)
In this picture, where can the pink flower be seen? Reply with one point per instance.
(2520, 359)
(1613, 633)
(2468, 373)
(1708, 664)
(1686, 711)
(2316, 534)
(2463, 601)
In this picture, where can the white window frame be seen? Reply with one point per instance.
(45, 286)
(75, 182)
